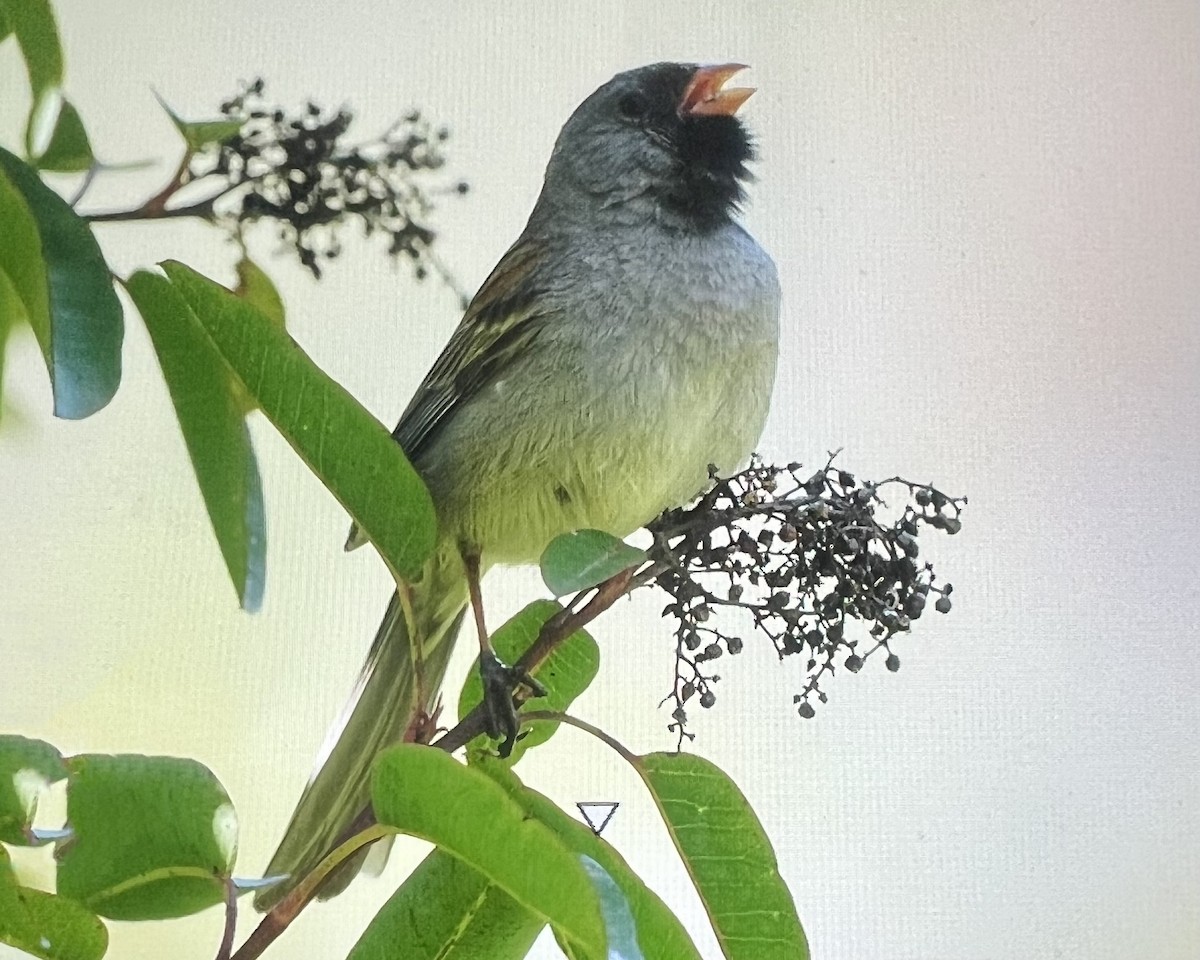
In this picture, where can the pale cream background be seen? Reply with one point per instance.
(986, 218)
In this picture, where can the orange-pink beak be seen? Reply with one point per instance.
(705, 97)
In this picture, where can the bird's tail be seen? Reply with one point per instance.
(400, 679)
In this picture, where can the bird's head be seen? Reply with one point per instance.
(660, 141)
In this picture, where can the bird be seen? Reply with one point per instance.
(623, 347)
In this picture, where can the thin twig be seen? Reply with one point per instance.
(554, 631)
(284, 912)
(88, 179)
(231, 895)
(557, 716)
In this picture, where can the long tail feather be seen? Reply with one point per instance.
(383, 706)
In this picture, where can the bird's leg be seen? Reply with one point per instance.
(500, 681)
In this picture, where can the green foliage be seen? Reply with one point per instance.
(448, 910)
(44, 925)
(198, 134)
(27, 289)
(82, 340)
(585, 558)
(256, 288)
(33, 24)
(728, 855)
(350, 451)
(69, 150)
(214, 429)
(54, 134)
(565, 674)
(154, 837)
(27, 768)
(659, 932)
(620, 931)
(428, 794)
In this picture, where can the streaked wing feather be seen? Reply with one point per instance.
(502, 318)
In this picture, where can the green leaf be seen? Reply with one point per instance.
(585, 558)
(619, 926)
(659, 932)
(21, 261)
(33, 23)
(199, 134)
(426, 793)
(447, 910)
(154, 837)
(22, 271)
(728, 855)
(214, 429)
(83, 350)
(350, 451)
(565, 674)
(255, 287)
(69, 150)
(27, 768)
(45, 925)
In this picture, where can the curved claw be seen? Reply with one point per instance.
(500, 684)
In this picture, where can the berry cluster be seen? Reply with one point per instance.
(802, 559)
(298, 171)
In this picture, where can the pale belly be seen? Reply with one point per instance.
(609, 452)
(615, 415)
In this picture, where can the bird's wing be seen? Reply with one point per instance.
(502, 319)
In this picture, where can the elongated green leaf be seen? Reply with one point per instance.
(22, 271)
(255, 287)
(33, 23)
(27, 768)
(565, 674)
(350, 451)
(154, 837)
(214, 429)
(198, 134)
(447, 910)
(426, 793)
(659, 932)
(619, 926)
(585, 558)
(21, 260)
(83, 352)
(69, 150)
(728, 855)
(44, 925)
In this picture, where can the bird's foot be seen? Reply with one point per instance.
(425, 727)
(500, 685)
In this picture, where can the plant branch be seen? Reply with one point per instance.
(284, 912)
(558, 717)
(554, 631)
(202, 209)
(365, 829)
(231, 895)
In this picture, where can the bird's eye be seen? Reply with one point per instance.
(632, 106)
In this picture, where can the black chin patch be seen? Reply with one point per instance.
(713, 153)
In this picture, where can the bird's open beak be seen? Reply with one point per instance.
(704, 96)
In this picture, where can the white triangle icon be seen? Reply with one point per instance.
(597, 814)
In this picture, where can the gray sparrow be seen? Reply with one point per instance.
(625, 342)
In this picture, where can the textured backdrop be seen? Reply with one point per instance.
(986, 220)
